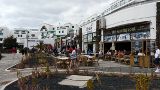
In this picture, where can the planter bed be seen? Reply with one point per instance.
(107, 82)
(34, 61)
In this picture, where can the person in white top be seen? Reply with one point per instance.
(73, 57)
(100, 55)
(157, 59)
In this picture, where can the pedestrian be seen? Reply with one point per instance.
(157, 58)
(73, 57)
(89, 52)
(14, 51)
(100, 55)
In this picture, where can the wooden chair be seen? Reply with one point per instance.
(127, 59)
(85, 60)
(94, 59)
(59, 63)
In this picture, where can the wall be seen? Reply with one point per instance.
(139, 13)
(89, 28)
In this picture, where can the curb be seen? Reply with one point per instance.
(3, 87)
(63, 71)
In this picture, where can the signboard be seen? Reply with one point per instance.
(123, 37)
(110, 38)
(89, 28)
(140, 35)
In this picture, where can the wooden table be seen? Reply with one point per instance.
(62, 60)
(89, 57)
(89, 60)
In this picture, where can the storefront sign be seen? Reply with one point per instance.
(140, 35)
(90, 27)
(110, 38)
(123, 37)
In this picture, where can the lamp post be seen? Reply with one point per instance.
(27, 38)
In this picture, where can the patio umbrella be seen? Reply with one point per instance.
(113, 46)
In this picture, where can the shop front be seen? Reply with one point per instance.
(133, 39)
(89, 43)
(123, 35)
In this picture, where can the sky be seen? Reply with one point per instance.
(33, 13)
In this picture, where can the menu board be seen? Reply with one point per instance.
(110, 38)
(140, 35)
(123, 37)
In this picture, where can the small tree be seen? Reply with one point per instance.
(10, 42)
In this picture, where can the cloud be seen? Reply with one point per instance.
(33, 13)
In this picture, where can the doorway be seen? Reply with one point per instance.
(123, 46)
(90, 47)
(107, 47)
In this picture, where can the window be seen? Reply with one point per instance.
(33, 35)
(67, 26)
(1, 33)
(53, 28)
(16, 32)
(72, 26)
(85, 38)
(19, 35)
(23, 32)
(94, 36)
(62, 31)
(1, 39)
(59, 31)
(90, 37)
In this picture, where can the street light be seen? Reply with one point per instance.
(27, 38)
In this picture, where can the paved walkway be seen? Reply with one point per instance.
(106, 66)
(7, 61)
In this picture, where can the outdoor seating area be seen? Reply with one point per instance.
(81, 60)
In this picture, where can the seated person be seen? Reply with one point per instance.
(100, 54)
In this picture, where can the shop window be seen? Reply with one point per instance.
(1, 33)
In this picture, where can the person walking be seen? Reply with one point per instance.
(73, 57)
(157, 59)
(14, 52)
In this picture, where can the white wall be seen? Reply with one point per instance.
(49, 41)
(139, 13)
(5, 32)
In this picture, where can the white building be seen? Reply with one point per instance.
(66, 33)
(33, 38)
(21, 35)
(4, 33)
(26, 37)
(124, 22)
(48, 33)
